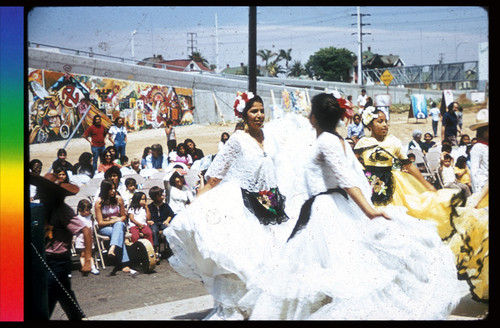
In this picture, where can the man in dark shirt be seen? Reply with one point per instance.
(161, 214)
(450, 126)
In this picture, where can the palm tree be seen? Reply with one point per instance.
(197, 57)
(266, 55)
(286, 55)
(297, 69)
(274, 68)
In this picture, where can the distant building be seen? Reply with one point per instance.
(179, 65)
(242, 70)
(372, 61)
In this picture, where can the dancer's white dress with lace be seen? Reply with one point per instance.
(216, 239)
(342, 265)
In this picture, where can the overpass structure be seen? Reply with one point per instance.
(460, 76)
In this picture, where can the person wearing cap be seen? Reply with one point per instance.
(61, 223)
(479, 154)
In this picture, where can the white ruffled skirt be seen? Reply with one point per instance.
(218, 241)
(343, 266)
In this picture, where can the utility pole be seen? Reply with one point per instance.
(216, 46)
(252, 50)
(191, 49)
(360, 44)
(133, 33)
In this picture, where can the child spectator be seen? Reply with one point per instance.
(462, 172)
(356, 129)
(139, 218)
(84, 209)
(161, 215)
(130, 187)
(135, 165)
(448, 175)
(62, 175)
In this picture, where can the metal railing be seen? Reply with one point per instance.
(439, 73)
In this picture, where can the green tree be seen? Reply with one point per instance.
(197, 57)
(330, 64)
(296, 69)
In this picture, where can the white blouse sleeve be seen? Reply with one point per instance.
(336, 160)
(225, 158)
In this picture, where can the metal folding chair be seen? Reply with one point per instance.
(421, 163)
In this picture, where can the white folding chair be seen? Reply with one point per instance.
(420, 162)
(433, 159)
(138, 178)
(95, 182)
(72, 201)
(158, 175)
(192, 177)
(151, 183)
(88, 192)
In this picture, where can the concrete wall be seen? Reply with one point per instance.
(206, 85)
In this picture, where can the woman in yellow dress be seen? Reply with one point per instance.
(395, 180)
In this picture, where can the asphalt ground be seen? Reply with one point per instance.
(165, 295)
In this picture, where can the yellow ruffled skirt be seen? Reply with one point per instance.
(421, 203)
(470, 244)
(464, 229)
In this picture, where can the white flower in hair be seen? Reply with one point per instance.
(241, 100)
(336, 94)
(368, 115)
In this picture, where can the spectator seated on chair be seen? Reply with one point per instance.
(161, 214)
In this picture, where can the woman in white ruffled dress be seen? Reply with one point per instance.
(237, 220)
(345, 259)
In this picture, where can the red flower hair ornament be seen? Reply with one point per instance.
(342, 102)
(241, 100)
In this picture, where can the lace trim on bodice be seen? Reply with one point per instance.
(243, 160)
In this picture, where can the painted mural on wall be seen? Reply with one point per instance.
(294, 101)
(58, 101)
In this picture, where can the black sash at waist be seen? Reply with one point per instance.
(305, 210)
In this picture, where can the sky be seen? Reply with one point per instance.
(419, 35)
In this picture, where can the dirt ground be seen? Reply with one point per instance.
(207, 137)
